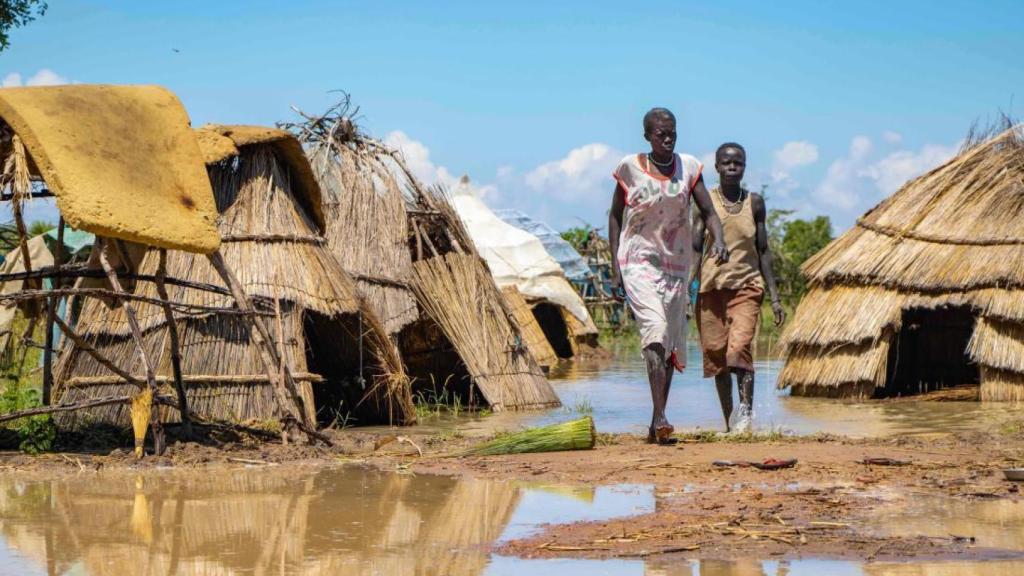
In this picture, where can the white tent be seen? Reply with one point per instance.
(516, 257)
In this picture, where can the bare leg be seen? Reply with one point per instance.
(659, 378)
(746, 386)
(723, 382)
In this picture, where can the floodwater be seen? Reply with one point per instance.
(352, 520)
(617, 393)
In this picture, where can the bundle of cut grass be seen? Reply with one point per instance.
(573, 435)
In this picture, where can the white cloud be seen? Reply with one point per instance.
(581, 174)
(857, 181)
(892, 137)
(12, 80)
(417, 158)
(44, 77)
(795, 154)
(894, 170)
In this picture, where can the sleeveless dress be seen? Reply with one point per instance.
(655, 248)
(729, 305)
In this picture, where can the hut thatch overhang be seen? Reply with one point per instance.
(419, 270)
(925, 291)
(271, 230)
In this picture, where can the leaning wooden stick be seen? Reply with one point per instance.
(172, 331)
(285, 391)
(105, 248)
(51, 314)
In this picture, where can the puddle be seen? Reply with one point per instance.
(502, 566)
(992, 523)
(359, 521)
(340, 521)
(617, 393)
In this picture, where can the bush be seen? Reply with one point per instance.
(36, 433)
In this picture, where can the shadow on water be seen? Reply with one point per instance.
(358, 521)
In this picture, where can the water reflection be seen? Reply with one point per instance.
(358, 521)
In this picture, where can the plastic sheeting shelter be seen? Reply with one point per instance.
(516, 257)
(572, 263)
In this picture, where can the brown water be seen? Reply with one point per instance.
(356, 521)
(617, 393)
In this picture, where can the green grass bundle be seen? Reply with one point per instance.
(573, 435)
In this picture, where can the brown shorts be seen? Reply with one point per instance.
(727, 320)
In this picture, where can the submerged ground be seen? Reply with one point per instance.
(371, 506)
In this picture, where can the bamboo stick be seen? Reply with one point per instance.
(51, 314)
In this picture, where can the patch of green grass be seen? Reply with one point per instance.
(711, 436)
(582, 406)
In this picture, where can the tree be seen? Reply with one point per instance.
(40, 227)
(578, 236)
(17, 13)
(792, 243)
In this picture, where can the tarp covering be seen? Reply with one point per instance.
(516, 257)
(574, 266)
(122, 161)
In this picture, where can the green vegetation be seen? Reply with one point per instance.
(572, 435)
(793, 241)
(21, 385)
(40, 227)
(578, 236)
(710, 436)
(35, 434)
(15, 14)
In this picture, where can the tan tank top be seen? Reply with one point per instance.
(743, 267)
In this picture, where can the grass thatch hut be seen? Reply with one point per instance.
(925, 291)
(419, 271)
(271, 227)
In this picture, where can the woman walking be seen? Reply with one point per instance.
(730, 295)
(650, 236)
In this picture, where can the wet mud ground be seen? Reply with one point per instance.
(829, 505)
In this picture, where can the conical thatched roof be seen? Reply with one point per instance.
(953, 237)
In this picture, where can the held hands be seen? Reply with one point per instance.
(778, 312)
(618, 293)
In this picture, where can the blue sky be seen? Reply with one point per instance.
(837, 102)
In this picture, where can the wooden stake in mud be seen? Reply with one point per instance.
(172, 330)
(104, 247)
(285, 392)
(51, 315)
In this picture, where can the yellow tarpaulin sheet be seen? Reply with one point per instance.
(123, 161)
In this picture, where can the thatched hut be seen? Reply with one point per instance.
(420, 272)
(517, 258)
(925, 291)
(271, 226)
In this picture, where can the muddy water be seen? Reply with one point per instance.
(357, 521)
(616, 391)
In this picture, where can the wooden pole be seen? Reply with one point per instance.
(285, 392)
(172, 330)
(104, 248)
(51, 314)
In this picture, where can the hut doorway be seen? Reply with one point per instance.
(439, 376)
(549, 316)
(332, 352)
(930, 352)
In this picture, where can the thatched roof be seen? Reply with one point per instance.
(121, 160)
(367, 227)
(273, 246)
(953, 237)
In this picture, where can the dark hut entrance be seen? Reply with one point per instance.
(438, 373)
(930, 352)
(549, 316)
(332, 352)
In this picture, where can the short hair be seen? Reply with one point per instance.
(654, 114)
(730, 145)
